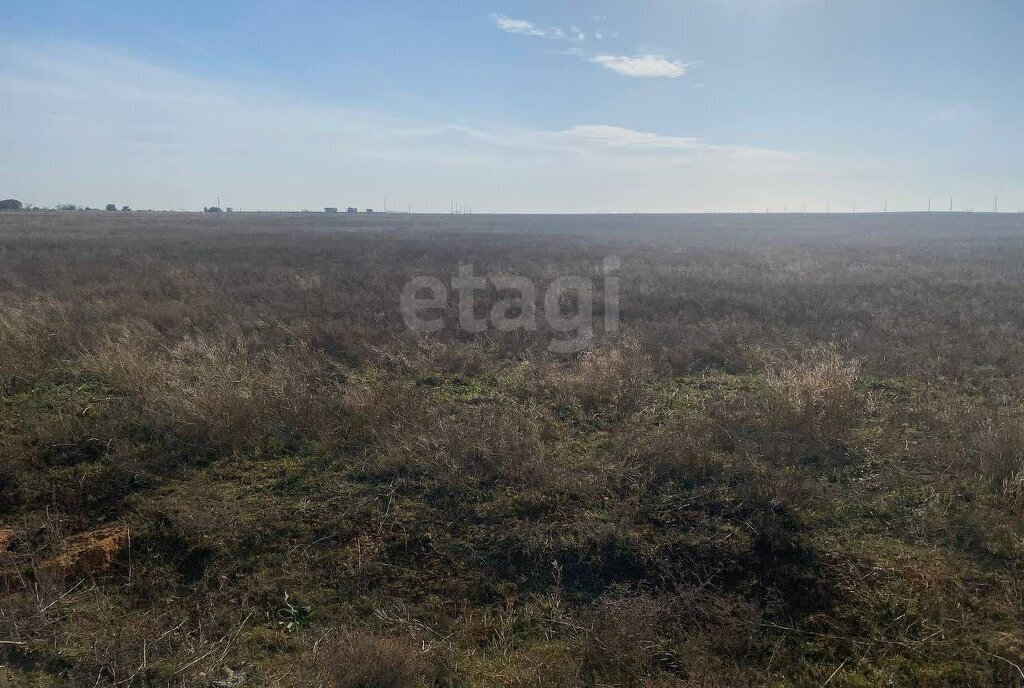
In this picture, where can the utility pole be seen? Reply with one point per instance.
(950, 204)
(995, 205)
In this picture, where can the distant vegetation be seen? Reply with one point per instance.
(10, 204)
(225, 462)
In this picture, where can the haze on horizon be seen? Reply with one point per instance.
(522, 106)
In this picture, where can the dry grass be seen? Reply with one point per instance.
(361, 660)
(612, 376)
(623, 641)
(33, 334)
(984, 444)
(683, 448)
(409, 432)
(1000, 457)
(223, 389)
(798, 457)
(815, 395)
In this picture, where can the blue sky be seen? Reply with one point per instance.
(660, 106)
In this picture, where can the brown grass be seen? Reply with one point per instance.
(800, 462)
(222, 388)
(815, 395)
(361, 660)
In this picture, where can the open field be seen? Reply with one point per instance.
(226, 461)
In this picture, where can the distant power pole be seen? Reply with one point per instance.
(995, 205)
(950, 204)
(929, 204)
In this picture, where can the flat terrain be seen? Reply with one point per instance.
(226, 461)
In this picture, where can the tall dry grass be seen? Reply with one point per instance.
(999, 457)
(980, 444)
(682, 448)
(614, 376)
(34, 335)
(409, 432)
(226, 390)
(815, 396)
(357, 659)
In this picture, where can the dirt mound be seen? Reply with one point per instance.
(6, 538)
(88, 554)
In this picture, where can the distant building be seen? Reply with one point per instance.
(369, 210)
(111, 207)
(330, 210)
(10, 204)
(229, 210)
(351, 210)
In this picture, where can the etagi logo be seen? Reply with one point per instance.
(565, 293)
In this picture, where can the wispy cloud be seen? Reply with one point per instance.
(609, 142)
(607, 136)
(525, 27)
(642, 66)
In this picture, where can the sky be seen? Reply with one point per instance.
(515, 106)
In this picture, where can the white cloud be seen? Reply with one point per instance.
(525, 27)
(644, 66)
